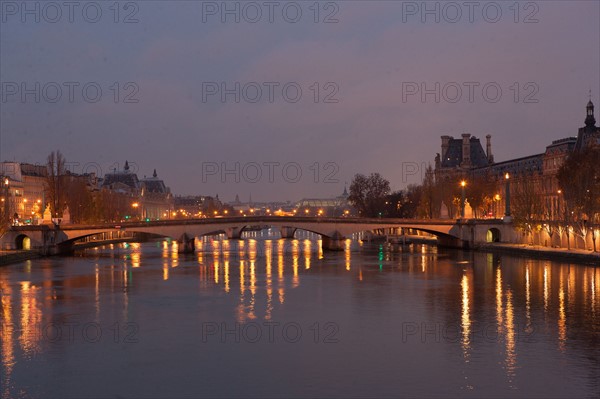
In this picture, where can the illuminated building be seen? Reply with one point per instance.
(465, 159)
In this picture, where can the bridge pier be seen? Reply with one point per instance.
(186, 244)
(54, 239)
(287, 232)
(63, 248)
(452, 242)
(234, 233)
(333, 243)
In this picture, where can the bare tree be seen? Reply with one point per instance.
(368, 194)
(480, 193)
(579, 179)
(448, 191)
(427, 201)
(78, 198)
(550, 224)
(110, 206)
(55, 190)
(527, 202)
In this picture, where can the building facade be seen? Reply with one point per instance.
(22, 196)
(331, 207)
(465, 159)
(149, 198)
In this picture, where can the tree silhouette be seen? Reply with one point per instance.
(55, 190)
(579, 180)
(368, 194)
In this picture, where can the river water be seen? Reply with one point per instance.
(267, 317)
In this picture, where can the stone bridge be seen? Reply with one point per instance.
(462, 233)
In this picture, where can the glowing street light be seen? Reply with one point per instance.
(496, 201)
(507, 217)
(7, 203)
(24, 207)
(566, 219)
(462, 202)
(135, 206)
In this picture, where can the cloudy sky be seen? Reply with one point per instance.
(285, 100)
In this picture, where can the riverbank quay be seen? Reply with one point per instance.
(547, 253)
(10, 257)
(411, 239)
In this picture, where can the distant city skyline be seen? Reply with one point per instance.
(180, 90)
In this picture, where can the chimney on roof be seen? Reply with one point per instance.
(445, 145)
(466, 150)
(490, 157)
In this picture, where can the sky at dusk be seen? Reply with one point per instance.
(314, 92)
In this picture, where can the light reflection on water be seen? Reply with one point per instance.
(478, 324)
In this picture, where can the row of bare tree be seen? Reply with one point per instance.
(579, 179)
(86, 204)
(575, 210)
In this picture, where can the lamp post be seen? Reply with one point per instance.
(566, 219)
(507, 217)
(135, 206)
(496, 201)
(7, 201)
(24, 209)
(557, 213)
(462, 201)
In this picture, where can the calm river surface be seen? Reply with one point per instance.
(270, 317)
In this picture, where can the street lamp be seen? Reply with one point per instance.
(25, 208)
(507, 217)
(7, 203)
(462, 201)
(566, 219)
(559, 192)
(135, 206)
(496, 201)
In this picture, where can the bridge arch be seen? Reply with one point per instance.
(454, 233)
(68, 244)
(22, 241)
(433, 232)
(493, 235)
(305, 229)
